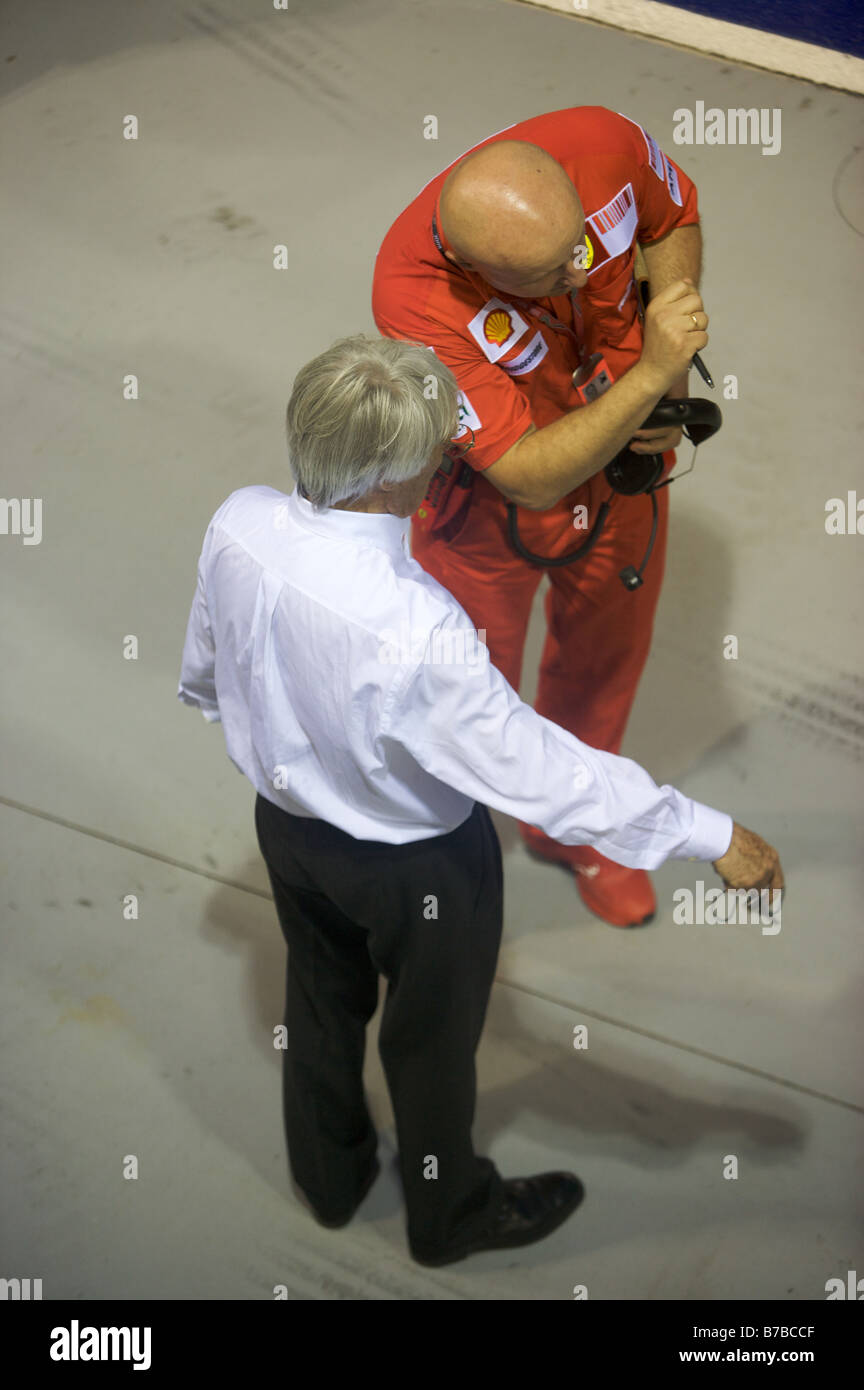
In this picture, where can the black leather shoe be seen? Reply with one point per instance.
(531, 1209)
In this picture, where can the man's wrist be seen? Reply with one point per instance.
(649, 379)
(711, 834)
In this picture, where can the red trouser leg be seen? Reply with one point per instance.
(599, 633)
(494, 586)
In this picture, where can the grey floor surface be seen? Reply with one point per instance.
(152, 1037)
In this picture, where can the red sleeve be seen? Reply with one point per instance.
(489, 403)
(665, 196)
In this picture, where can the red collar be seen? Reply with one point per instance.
(437, 231)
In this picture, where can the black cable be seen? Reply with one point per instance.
(545, 561)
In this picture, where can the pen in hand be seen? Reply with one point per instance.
(702, 369)
(645, 295)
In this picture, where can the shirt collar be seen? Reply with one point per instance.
(440, 240)
(381, 529)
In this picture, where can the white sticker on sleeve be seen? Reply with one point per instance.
(529, 359)
(616, 223)
(655, 154)
(468, 417)
(672, 181)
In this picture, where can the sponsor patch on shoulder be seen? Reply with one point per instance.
(529, 358)
(616, 223)
(655, 154)
(496, 328)
(672, 182)
(468, 417)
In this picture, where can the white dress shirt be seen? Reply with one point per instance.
(352, 687)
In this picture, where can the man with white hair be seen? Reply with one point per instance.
(327, 653)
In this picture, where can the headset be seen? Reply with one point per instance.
(630, 474)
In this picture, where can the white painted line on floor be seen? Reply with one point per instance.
(717, 37)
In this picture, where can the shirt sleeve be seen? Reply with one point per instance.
(489, 403)
(465, 725)
(198, 668)
(666, 198)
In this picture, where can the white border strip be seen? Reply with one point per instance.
(716, 36)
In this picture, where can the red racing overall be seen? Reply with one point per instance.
(513, 361)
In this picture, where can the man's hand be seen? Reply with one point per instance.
(655, 441)
(674, 330)
(658, 441)
(749, 862)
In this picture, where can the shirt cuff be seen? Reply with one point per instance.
(711, 835)
(209, 709)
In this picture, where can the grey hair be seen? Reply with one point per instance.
(365, 412)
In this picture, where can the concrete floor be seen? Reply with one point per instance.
(152, 1037)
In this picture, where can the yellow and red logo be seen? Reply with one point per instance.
(497, 326)
(589, 250)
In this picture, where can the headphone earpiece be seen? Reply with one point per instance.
(631, 473)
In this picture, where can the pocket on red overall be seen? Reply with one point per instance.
(444, 510)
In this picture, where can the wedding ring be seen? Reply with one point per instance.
(693, 317)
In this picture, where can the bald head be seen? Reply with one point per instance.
(511, 209)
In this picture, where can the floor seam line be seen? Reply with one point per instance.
(522, 989)
(681, 1046)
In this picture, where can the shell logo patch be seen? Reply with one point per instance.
(589, 249)
(498, 326)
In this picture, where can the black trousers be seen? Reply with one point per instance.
(428, 917)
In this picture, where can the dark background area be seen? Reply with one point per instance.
(838, 24)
